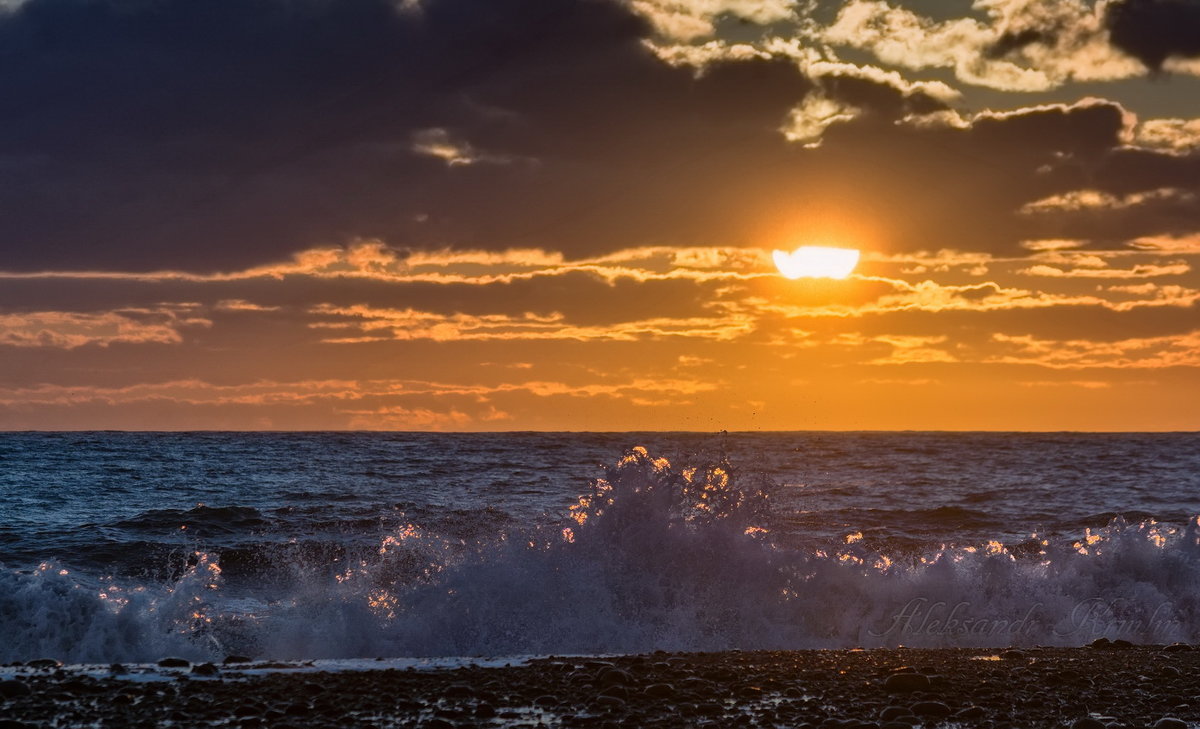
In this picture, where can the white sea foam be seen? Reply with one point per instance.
(653, 558)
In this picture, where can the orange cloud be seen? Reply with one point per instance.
(69, 330)
(402, 418)
(407, 324)
(1141, 270)
(1181, 350)
(1081, 200)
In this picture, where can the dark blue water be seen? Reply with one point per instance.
(127, 545)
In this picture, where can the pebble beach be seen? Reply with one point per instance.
(1106, 684)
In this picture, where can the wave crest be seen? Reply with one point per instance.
(652, 557)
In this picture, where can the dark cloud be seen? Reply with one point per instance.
(216, 134)
(882, 100)
(1015, 40)
(1132, 170)
(940, 186)
(1113, 226)
(219, 135)
(1154, 30)
(1060, 323)
(583, 299)
(1082, 132)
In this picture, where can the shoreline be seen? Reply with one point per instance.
(1106, 684)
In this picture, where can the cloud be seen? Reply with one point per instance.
(1092, 200)
(691, 19)
(1181, 136)
(1052, 244)
(437, 142)
(1090, 127)
(1155, 30)
(70, 330)
(1181, 350)
(397, 417)
(375, 404)
(242, 148)
(1134, 169)
(372, 296)
(1026, 45)
(1019, 46)
(1141, 270)
(1109, 220)
(1085, 384)
(1189, 244)
(806, 123)
(913, 350)
(219, 135)
(357, 324)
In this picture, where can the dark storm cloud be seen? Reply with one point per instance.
(582, 299)
(1154, 30)
(143, 134)
(977, 327)
(1012, 41)
(880, 99)
(1169, 183)
(218, 134)
(1114, 225)
(1131, 170)
(1082, 132)
(943, 186)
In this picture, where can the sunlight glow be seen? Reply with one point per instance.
(816, 262)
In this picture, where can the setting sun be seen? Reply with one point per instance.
(816, 262)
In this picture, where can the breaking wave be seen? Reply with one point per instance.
(654, 556)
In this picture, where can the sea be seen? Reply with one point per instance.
(124, 546)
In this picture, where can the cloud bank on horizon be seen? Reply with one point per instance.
(560, 214)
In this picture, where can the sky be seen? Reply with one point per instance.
(560, 214)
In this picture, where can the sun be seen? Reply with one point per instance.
(816, 262)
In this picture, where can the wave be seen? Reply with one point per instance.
(652, 557)
(200, 518)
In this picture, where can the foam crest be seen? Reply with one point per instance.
(50, 612)
(653, 556)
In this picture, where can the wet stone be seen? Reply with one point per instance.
(613, 677)
(893, 712)
(844, 689)
(11, 689)
(458, 691)
(174, 663)
(930, 708)
(43, 663)
(246, 710)
(906, 682)
(485, 711)
(610, 703)
(616, 691)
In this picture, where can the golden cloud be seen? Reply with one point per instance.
(69, 330)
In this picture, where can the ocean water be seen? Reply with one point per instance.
(134, 546)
